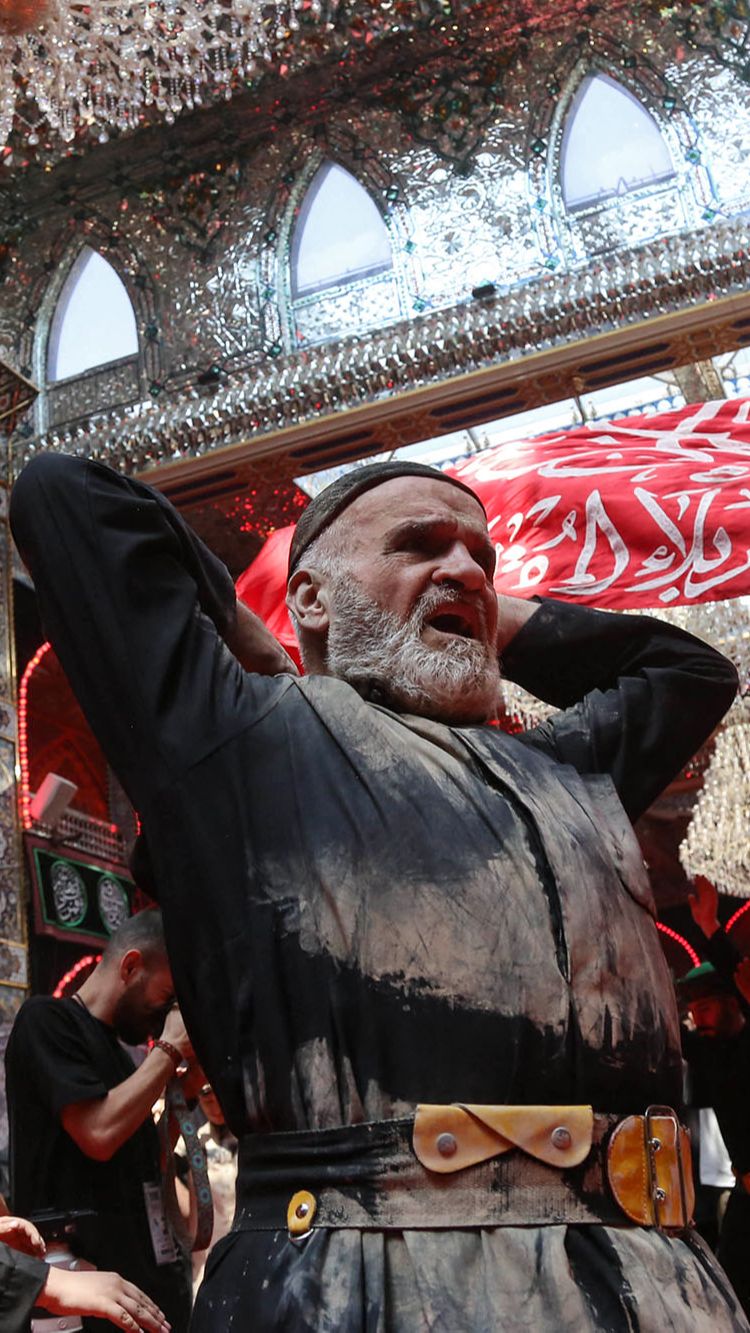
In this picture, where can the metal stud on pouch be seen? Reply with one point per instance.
(447, 1145)
(561, 1138)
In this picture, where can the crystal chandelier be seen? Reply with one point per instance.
(69, 67)
(66, 66)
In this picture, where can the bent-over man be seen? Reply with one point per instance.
(82, 1137)
(375, 902)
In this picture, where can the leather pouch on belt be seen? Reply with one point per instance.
(449, 1138)
(650, 1170)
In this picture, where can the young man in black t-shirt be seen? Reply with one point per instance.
(81, 1132)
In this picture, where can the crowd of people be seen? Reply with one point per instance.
(415, 955)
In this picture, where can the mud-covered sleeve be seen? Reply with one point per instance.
(136, 607)
(639, 697)
(21, 1279)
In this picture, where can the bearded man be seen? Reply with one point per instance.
(413, 952)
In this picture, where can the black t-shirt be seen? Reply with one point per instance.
(59, 1054)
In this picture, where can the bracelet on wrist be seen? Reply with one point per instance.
(175, 1056)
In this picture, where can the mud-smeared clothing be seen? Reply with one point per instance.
(366, 910)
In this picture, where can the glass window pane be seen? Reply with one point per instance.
(94, 320)
(340, 234)
(610, 145)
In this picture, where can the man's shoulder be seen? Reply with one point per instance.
(43, 1013)
(38, 1008)
(318, 696)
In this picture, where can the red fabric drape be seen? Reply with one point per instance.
(262, 587)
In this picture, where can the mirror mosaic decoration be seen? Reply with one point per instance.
(463, 156)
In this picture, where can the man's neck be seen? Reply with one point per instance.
(95, 994)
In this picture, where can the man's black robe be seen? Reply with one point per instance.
(366, 910)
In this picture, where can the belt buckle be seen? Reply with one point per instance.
(653, 1145)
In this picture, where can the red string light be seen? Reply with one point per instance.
(23, 746)
(680, 939)
(740, 912)
(23, 733)
(88, 960)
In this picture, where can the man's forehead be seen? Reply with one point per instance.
(405, 499)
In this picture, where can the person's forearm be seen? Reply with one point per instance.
(101, 1127)
(640, 696)
(569, 650)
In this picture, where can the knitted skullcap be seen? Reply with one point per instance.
(325, 507)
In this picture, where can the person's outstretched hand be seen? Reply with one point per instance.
(22, 1235)
(103, 1296)
(742, 978)
(704, 905)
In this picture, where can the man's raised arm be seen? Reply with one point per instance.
(640, 696)
(139, 613)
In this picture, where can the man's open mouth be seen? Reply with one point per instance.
(453, 623)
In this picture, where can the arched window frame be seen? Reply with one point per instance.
(394, 216)
(99, 387)
(59, 316)
(307, 204)
(593, 205)
(559, 229)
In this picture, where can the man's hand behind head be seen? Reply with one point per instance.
(255, 647)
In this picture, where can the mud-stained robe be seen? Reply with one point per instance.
(366, 910)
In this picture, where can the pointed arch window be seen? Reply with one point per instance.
(340, 235)
(94, 321)
(611, 145)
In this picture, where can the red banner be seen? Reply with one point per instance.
(643, 512)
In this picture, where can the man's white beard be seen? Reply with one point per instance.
(370, 646)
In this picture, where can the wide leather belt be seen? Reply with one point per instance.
(462, 1166)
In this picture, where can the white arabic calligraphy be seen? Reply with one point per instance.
(642, 511)
(698, 562)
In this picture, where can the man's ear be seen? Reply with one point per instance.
(308, 600)
(131, 964)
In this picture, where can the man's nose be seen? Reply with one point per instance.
(457, 565)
